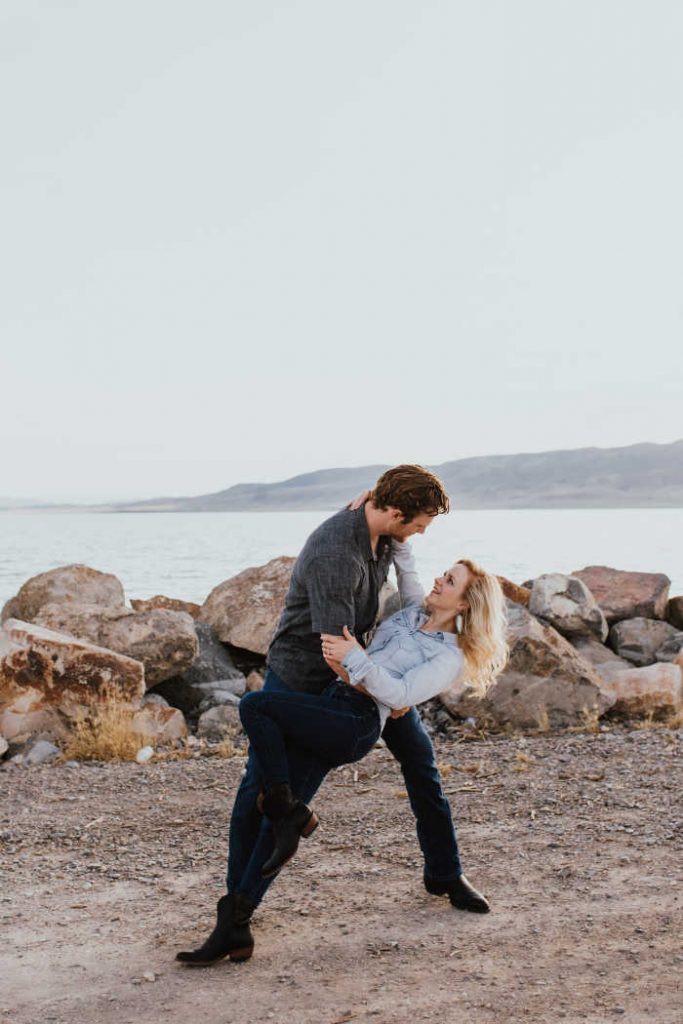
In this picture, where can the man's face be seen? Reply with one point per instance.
(402, 530)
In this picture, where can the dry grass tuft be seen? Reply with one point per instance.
(542, 720)
(658, 720)
(524, 762)
(103, 732)
(226, 748)
(675, 720)
(591, 720)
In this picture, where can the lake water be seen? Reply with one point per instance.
(187, 554)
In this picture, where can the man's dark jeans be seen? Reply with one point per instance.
(250, 842)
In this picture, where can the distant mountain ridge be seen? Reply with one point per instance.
(636, 476)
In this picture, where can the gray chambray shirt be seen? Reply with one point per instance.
(335, 583)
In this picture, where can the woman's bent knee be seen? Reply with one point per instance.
(249, 705)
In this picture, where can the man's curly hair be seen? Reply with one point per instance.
(412, 490)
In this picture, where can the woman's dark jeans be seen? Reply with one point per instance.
(337, 727)
(251, 843)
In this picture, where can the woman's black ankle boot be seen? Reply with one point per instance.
(290, 819)
(231, 937)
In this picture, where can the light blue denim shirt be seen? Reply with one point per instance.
(405, 665)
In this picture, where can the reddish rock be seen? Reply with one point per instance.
(164, 641)
(520, 595)
(44, 675)
(171, 604)
(674, 612)
(654, 689)
(77, 584)
(245, 610)
(627, 595)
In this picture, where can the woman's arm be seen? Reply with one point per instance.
(417, 685)
(410, 589)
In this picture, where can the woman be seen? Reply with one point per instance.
(416, 654)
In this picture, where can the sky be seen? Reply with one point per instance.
(242, 241)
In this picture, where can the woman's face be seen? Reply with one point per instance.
(448, 592)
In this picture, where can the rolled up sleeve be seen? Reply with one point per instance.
(410, 590)
(417, 685)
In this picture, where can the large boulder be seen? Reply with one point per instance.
(546, 682)
(212, 678)
(674, 612)
(645, 641)
(567, 604)
(245, 609)
(78, 584)
(46, 676)
(626, 595)
(164, 641)
(172, 604)
(655, 689)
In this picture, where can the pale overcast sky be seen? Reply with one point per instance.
(246, 240)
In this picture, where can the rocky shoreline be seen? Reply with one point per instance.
(85, 676)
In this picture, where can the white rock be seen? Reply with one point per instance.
(144, 754)
(567, 604)
(41, 752)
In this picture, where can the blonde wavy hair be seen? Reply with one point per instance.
(482, 636)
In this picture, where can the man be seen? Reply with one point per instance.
(336, 582)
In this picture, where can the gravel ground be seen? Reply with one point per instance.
(108, 869)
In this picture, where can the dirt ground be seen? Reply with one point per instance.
(576, 840)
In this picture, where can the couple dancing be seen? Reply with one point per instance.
(327, 698)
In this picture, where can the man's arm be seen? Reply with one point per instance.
(410, 590)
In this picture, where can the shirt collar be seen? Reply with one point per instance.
(362, 535)
(450, 639)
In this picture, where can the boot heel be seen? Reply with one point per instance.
(310, 826)
(239, 955)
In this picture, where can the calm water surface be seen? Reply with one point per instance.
(187, 554)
